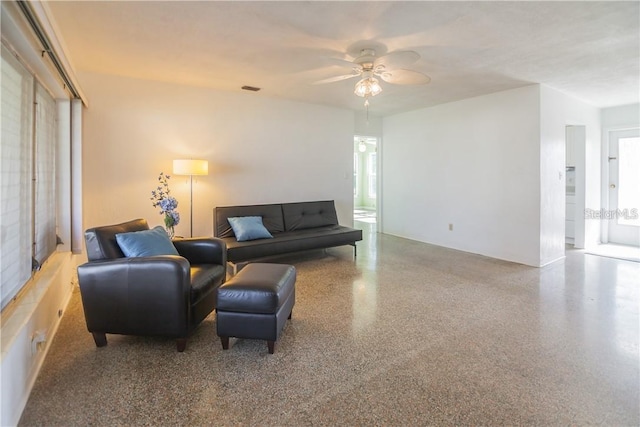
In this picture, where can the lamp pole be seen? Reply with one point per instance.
(190, 167)
(191, 206)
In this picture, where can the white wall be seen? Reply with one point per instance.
(260, 150)
(558, 111)
(474, 164)
(367, 124)
(622, 117)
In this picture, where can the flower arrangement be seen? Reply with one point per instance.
(168, 204)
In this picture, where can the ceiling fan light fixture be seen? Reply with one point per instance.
(369, 86)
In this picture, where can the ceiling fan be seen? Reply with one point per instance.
(389, 68)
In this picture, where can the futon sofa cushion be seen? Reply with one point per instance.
(298, 216)
(271, 218)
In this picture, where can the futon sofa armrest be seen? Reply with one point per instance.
(144, 296)
(202, 250)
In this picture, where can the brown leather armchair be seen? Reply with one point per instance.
(165, 295)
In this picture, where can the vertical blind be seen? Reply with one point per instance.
(27, 177)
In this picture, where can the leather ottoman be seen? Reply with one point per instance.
(256, 303)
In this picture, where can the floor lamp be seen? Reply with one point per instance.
(190, 167)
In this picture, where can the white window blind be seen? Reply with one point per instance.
(15, 177)
(45, 176)
(27, 178)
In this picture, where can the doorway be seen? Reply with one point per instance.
(365, 181)
(575, 191)
(620, 215)
(623, 214)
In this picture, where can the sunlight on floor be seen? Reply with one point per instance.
(364, 216)
(610, 250)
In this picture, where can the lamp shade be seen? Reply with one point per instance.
(190, 167)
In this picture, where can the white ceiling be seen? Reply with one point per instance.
(590, 50)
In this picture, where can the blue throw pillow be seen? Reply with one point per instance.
(249, 228)
(146, 243)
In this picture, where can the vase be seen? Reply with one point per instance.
(169, 223)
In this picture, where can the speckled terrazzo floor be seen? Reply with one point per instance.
(407, 334)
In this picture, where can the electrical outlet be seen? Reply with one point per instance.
(450, 227)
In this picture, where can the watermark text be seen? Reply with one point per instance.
(626, 214)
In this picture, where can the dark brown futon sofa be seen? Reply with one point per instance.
(294, 227)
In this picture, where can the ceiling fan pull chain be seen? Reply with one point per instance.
(366, 105)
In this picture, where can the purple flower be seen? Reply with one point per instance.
(176, 217)
(168, 204)
(161, 199)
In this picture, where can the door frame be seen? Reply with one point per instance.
(378, 177)
(604, 189)
(576, 135)
(606, 144)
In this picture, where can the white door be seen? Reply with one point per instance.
(624, 187)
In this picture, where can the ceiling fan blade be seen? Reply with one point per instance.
(404, 77)
(398, 59)
(335, 79)
(341, 62)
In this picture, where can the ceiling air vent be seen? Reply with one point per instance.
(251, 88)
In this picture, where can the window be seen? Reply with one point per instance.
(372, 175)
(45, 175)
(27, 177)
